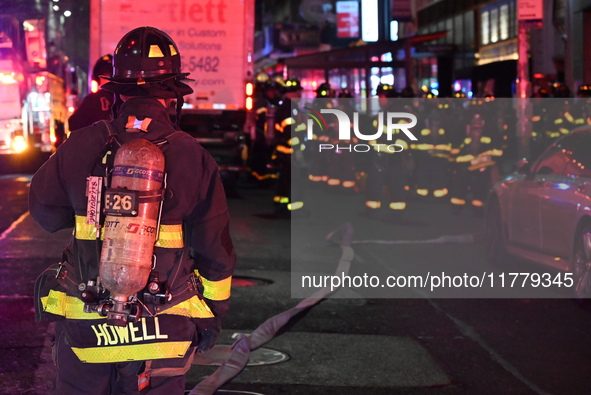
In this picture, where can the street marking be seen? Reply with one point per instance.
(465, 238)
(13, 226)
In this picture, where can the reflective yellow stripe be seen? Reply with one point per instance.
(133, 352)
(215, 290)
(295, 206)
(287, 121)
(170, 236)
(84, 231)
(485, 140)
(440, 192)
(457, 202)
(422, 192)
(464, 158)
(192, 308)
(401, 143)
(397, 206)
(373, 204)
(443, 147)
(58, 303)
(424, 147)
(284, 150)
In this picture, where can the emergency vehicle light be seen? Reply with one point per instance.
(249, 89)
(19, 144)
(7, 78)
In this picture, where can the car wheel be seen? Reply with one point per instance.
(582, 262)
(496, 253)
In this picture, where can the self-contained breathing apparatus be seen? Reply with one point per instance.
(126, 190)
(125, 206)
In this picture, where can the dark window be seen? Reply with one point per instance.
(579, 146)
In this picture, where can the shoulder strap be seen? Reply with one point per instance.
(165, 141)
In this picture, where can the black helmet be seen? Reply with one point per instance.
(292, 85)
(324, 90)
(584, 90)
(147, 62)
(103, 67)
(386, 90)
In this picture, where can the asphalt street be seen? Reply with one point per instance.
(357, 341)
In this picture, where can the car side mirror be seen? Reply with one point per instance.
(523, 166)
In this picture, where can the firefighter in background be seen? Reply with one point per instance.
(194, 257)
(98, 104)
(389, 169)
(431, 156)
(268, 97)
(583, 104)
(475, 166)
(319, 161)
(288, 153)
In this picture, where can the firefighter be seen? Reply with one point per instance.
(341, 162)
(389, 169)
(268, 96)
(288, 153)
(431, 155)
(98, 104)
(187, 293)
(475, 166)
(319, 162)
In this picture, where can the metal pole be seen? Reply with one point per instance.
(524, 109)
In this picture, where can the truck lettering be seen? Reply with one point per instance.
(197, 12)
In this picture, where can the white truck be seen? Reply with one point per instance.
(33, 111)
(215, 39)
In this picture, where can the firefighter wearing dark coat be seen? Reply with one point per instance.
(187, 294)
(287, 153)
(98, 104)
(475, 167)
(389, 170)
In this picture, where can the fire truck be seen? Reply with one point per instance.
(33, 111)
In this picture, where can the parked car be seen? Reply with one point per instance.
(542, 211)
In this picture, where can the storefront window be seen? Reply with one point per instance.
(504, 22)
(494, 25)
(484, 23)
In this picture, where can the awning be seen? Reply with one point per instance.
(357, 57)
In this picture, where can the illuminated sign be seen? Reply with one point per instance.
(369, 21)
(347, 19)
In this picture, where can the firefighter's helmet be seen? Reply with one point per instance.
(292, 85)
(324, 90)
(147, 62)
(103, 67)
(584, 90)
(386, 90)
